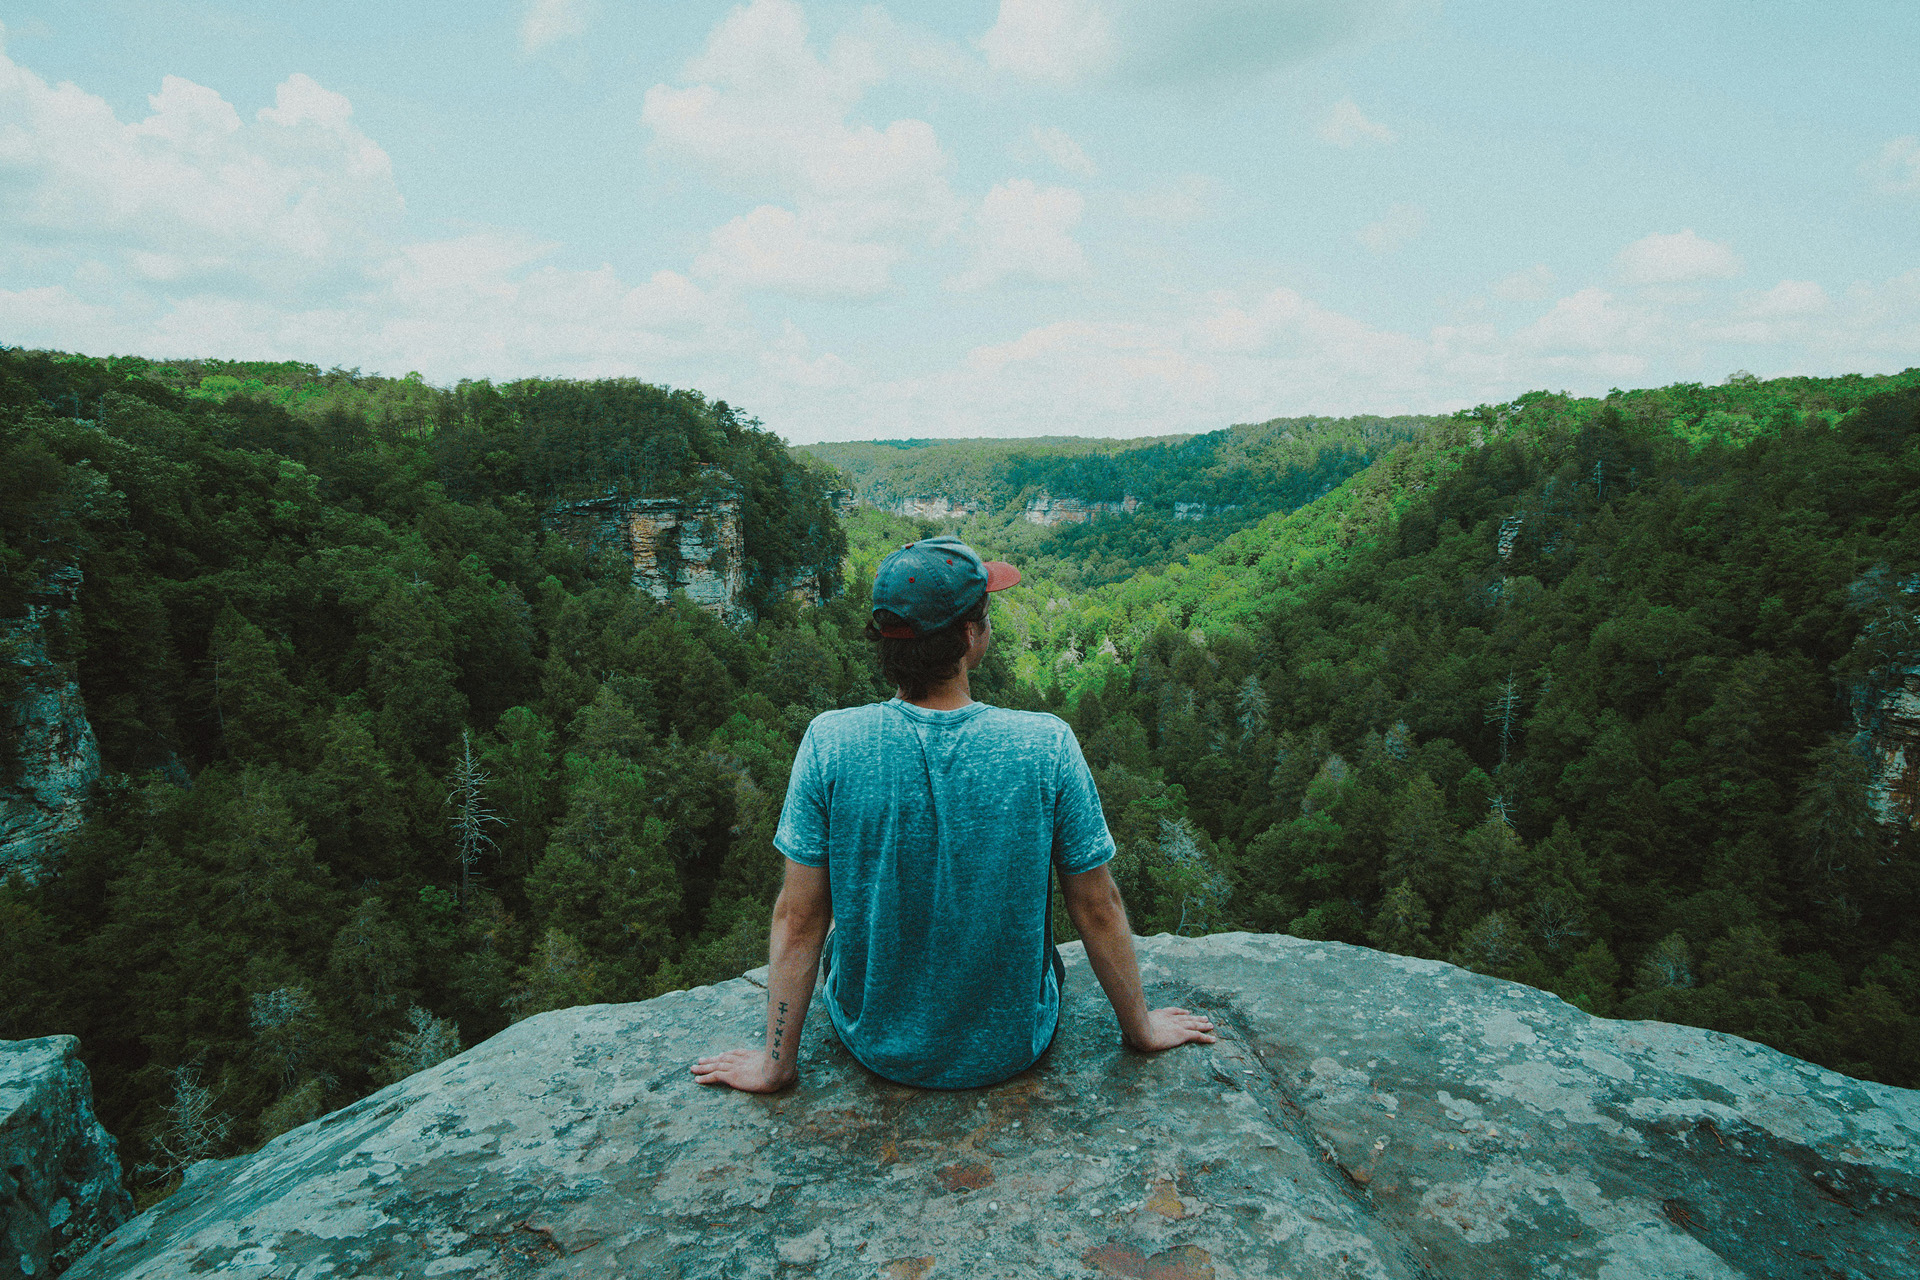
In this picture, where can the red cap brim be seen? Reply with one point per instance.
(1000, 575)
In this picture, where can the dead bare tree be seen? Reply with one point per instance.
(470, 813)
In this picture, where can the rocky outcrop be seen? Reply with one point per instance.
(56, 759)
(939, 506)
(1364, 1115)
(1892, 748)
(1885, 696)
(690, 544)
(1045, 509)
(1200, 510)
(60, 1186)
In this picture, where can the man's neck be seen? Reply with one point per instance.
(948, 695)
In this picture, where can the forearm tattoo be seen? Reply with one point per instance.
(779, 1031)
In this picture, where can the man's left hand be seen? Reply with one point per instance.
(748, 1070)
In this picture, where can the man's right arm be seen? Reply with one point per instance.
(1093, 901)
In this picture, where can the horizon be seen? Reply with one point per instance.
(1084, 218)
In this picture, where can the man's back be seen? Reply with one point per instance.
(938, 830)
(922, 830)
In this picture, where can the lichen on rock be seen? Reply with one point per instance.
(1363, 1115)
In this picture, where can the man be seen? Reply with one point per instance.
(922, 832)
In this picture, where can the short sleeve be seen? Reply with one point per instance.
(1081, 840)
(802, 834)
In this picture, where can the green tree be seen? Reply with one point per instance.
(258, 707)
(606, 878)
(372, 962)
(352, 802)
(521, 761)
(558, 976)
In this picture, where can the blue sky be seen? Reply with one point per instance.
(1094, 217)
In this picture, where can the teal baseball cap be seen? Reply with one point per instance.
(928, 584)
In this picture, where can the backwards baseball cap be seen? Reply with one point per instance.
(929, 584)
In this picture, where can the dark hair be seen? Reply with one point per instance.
(915, 666)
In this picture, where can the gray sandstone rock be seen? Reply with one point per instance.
(1364, 1115)
(59, 1175)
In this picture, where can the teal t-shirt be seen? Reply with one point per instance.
(938, 830)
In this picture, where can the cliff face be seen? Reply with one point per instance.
(1893, 754)
(1886, 702)
(1045, 509)
(1200, 510)
(57, 759)
(674, 544)
(938, 507)
(1363, 1115)
(692, 544)
(60, 1186)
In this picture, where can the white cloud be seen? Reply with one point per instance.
(774, 249)
(1402, 223)
(192, 192)
(52, 309)
(1064, 41)
(1346, 125)
(1896, 170)
(1024, 232)
(1881, 323)
(551, 21)
(1680, 258)
(1058, 146)
(1287, 322)
(1867, 327)
(768, 116)
(195, 229)
(789, 361)
(1070, 42)
(1186, 198)
(1535, 284)
(1587, 321)
(1789, 298)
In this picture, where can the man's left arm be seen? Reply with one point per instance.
(801, 917)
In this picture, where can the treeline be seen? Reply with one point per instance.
(1237, 466)
(1192, 491)
(1575, 692)
(387, 765)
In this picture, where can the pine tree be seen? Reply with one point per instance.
(353, 803)
(256, 706)
(285, 1024)
(431, 1042)
(557, 976)
(1250, 707)
(372, 961)
(1402, 922)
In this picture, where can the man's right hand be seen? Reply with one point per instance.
(1169, 1027)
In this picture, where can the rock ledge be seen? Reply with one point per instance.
(1364, 1115)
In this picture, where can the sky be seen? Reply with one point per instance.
(978, 217)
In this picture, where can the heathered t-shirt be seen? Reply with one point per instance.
(938, 830)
